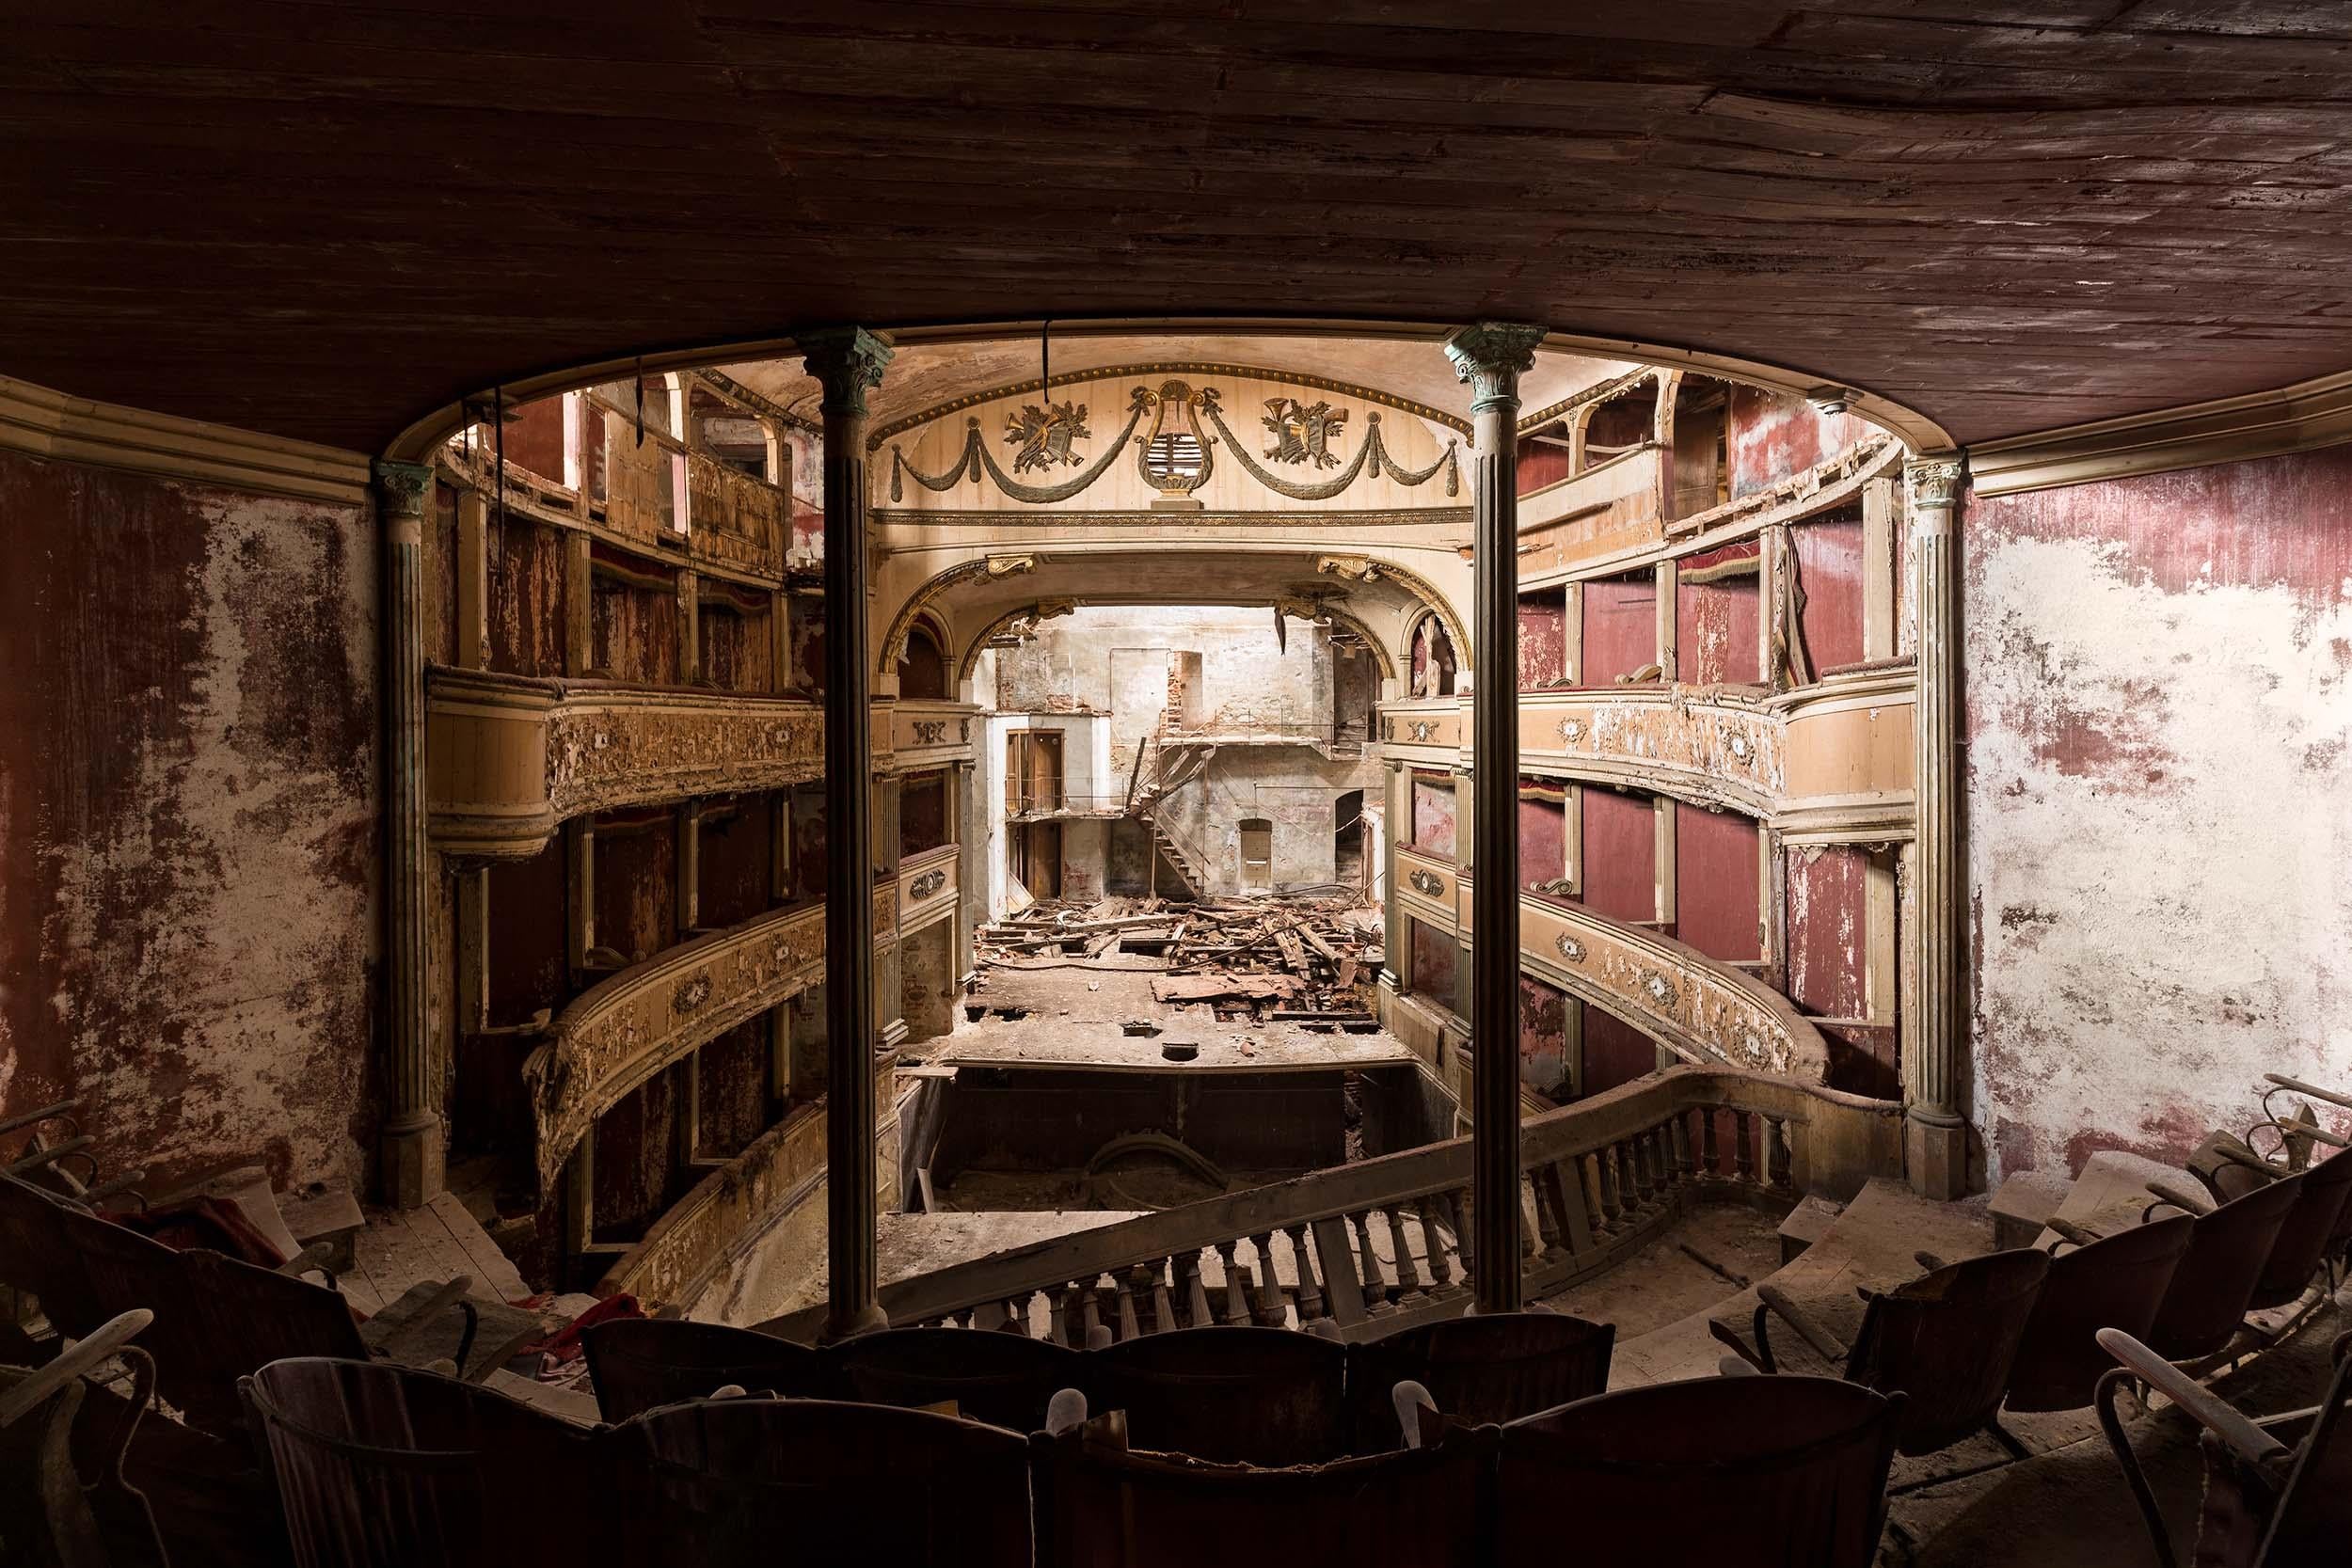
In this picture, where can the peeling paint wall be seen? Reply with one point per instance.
(1620, 631)
(189, 900)
(2159, 704)
(1620, 867)
(1543, 637)
(1773, 435)
(1829, 569)
(1717, 882)
(1543, 1038)
(1718, 639)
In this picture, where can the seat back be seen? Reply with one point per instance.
(1478, 1369)
(2313, 1519)
(723, 1483)
(1774, 1472)
(2226, 1252)
(1005, 1380)
(35, 1256)
(1099, 1506)
(385, 1466)
(1945, 1340)
(2116, 1282)
(215, 1319)
(638, 1364)
(1236, 1396)
(2304, 1234)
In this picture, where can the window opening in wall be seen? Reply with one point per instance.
(1433, 660)
(1348, 838)
(1702, 473)
(1033, 772)
(1620, 424)
(923, 672)
(1040, 858)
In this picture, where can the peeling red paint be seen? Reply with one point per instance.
(1620, 631)
(1620, 855)
(1829, 568)
(1716, 882)
(188, 915)
(1542, 639)
(1773, 436)
(1543, 1036)
(1433, 814)
(1717, 636)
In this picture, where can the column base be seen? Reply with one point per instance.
(415, 1162)
(1935, 1154)
(868, 1319)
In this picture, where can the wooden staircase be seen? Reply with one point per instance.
(1144, 796)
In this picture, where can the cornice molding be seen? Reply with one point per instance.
(2301, 418)
(1169, 367)
(52, 424)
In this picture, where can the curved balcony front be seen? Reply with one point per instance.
(509, 758)
(622, 1031)
(1706, 1011)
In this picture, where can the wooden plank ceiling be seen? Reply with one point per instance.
(322, 220)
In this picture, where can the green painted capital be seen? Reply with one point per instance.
(1491, 357)
(846, 361)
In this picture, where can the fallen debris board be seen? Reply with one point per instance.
(1205, 988)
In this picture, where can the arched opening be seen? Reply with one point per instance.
(1619, 425)
(1254, 843)
(1348, 838)
(923, 669)
(1432, 660)
(1702, 424)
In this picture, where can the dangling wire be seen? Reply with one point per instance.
(1045, 365)
(497, 418)
(641, 400)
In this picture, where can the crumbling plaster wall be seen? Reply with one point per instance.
(2158, 706)
(189, 893)
(1294, 787)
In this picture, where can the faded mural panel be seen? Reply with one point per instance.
(2159, 701)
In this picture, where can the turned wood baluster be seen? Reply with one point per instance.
(1017, 1313)
(1629, 1177)
(1164, 1273)
(1550, 1225)
(1681, 1132)
(1710, 1161)
(1309, 1292)
(1660, 1160)
(1196, 1291)
(1407, 1272)
(1741, 1124)
(1236, 1290)
(1057, 1311)
(1271, 1308)
(1603, 1174)
(1375, 1279)
(1458, 1203)
(1441, 1273)
(1779, 1157)
(1090, 1309)
(1122, 1293)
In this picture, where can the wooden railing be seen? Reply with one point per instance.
(1371, 1247)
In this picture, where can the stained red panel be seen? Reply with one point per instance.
(535, 438)
(636, 882)
(1774, 436)
(1620, 627)
(1433, 815)
(1716, 883)
(1615, 1052)
(1543, 637)
(1716, 623)
(1829, 566)
(1543, 1038)
(526, 594)
(1541, 463)
(1434, 956)
(1543, 828)
(738, 836)
(1828, 947)
(1620, 855)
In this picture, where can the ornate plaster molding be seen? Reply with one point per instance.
(2299, 418)
(52, 424)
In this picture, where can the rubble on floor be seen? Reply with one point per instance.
(1304, 957)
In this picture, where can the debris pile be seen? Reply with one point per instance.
(1302, 959)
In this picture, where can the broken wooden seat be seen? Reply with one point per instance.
(2115, 1281)
(1005, 1380)
(2266, 1504)
(1100, 1505)
(2228, 1250)
(639, 1364)
(2306, 1235)
(1944, 1340)
(385, 1466)
(1477, 1369)
(36, 1255)
(1726, 1471)
(1232, 1395)
(49, 1512)
(755, 1481)
(53, 1149)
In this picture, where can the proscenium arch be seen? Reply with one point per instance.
(971, 656)
(433, 426)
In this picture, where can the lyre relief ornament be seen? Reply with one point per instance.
(1175, 456)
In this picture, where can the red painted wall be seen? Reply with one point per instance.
(1543, 835)
(1620, 627)
(1717, 630)
(535, 438)
(1543, 1038)
(1433, 958)
(1620, 855)
(1543, 637)
(1716, 882)
(1541, 463)
(1829, 568)
(1433, 817)
(1615, 1052)
(189, 900)
(526, 594)
(1828, 953)
(1774, 436)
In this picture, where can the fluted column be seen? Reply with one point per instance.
(847, 362)
(1936, 1142)
(1491, 357)
(413, 1162)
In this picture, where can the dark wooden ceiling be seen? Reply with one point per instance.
(324, 219)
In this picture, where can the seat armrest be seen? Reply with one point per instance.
(2215, 1414)
(1811, 1332)
(2181, 1198)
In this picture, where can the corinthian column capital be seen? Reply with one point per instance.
(1491, 357)
(402, 488)
(846, 361)
(1932, 482)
